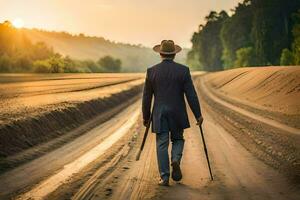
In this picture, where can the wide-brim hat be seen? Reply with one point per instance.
(167, 47)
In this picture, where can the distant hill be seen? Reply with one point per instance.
(134, 57)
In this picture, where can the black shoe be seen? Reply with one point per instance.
(163, 183)
(176, 172)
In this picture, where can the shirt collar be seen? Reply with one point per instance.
(167, 59)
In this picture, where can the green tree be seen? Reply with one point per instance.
(244, 57)
(22, 63)
(268, 26)
(235, 33)
(92, 66)
(18, 54)
(41, 51)
(271, 28)
(56, 64)
(193, 61)
(296, 37)
(207, 45)
(42, 66)
(17, 51)
(5, 63)
(109, 64)
(70, 66)
(287, 57)
(292, 57)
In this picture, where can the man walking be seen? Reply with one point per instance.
(169, 81)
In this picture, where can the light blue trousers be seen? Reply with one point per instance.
(162, 144)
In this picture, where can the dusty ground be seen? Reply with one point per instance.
(273, 92)
(238, 174)
(82, 150)
(252, 157)
(270, 134)
(36, 109)
(26, 95)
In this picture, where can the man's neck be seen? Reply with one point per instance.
(168, 59)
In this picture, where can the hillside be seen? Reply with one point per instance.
(260, 108)
(134, 57)
(272, 92)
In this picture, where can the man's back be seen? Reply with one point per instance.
(169, 81)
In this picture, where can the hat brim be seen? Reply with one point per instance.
(156, 48)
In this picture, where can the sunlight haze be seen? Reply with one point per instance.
(130, 21)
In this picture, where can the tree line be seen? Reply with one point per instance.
(258, 33)
(19, 55)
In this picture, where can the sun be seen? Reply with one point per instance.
(18, 23)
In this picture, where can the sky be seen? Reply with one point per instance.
(145, 22)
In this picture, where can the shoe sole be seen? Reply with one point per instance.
(176, 173)
(164, 185)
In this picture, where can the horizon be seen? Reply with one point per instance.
(121, 19)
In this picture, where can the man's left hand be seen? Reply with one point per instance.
(145, 122)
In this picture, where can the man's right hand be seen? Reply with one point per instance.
(200, 121)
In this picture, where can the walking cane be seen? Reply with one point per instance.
(205, 150)
(144, 138)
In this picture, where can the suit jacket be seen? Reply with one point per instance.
(169, 81)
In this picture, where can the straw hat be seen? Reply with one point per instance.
(167, 47)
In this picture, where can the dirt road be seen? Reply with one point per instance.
(237, 173)
(101, 165)
(36, 109)
(59, 165)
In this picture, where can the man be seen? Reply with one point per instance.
(169, 81)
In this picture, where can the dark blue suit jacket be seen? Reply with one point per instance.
(169, 81)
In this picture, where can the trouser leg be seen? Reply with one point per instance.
(177, 145)
(162, 143)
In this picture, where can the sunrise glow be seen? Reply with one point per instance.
(18, 23)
